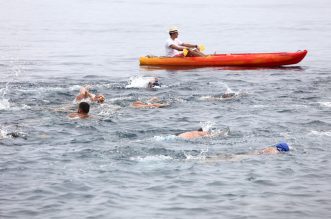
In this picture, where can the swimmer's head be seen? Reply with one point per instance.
(100, 98)
(13, 134)
(156, 82)
(17, 135)
(200, 130)
(84, 107)
(282, 147)
(228, 95)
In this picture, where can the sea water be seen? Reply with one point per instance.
(128, 163)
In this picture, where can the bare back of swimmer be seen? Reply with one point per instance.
(194, 134)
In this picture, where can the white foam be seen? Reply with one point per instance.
(25, 106)
(201, 156)
(165, 138)
(206, 126)
(217, 133)
(108, 110)
(152, 158)
(3, 134)
(75, 88)
(325, 104)
(192, 157)
(138, 82)
(259, 106)
(206, 98)
(321, 133)
(228, 89)
(4, 104)
(225, 85)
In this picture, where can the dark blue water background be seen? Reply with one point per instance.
(127, 163)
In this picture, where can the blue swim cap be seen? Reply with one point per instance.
(282, 147)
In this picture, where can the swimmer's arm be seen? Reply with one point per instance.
(91, 96)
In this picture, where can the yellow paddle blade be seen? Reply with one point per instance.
(185, 51)
(202, 47)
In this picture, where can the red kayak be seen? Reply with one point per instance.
(233, 60)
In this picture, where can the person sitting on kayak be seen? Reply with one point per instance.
(85, 94)
(174, 47)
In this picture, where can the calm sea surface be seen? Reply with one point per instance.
(128, 163)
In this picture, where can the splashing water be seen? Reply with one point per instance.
(4, 103)
(228, 93)
(201, 156)
(75, 88)
(321, 133)
(165, 138)
(138, 82)
(325, 104)
(228, 89)
(223, 84)
(219, 133)
(3, 134)
(108, 110)
(207, 126)
(152, 158)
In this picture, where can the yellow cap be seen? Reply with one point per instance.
(173, 29)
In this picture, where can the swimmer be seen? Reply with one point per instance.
(17, 135)
(139, 104)
(83, 110)
(271, 150)
(225, 96)
(153, 83)
(278, 148)
(228, 95)
(194, 134)
(85, 94)
(153, 102)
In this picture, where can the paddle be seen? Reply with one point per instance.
(200, 47)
